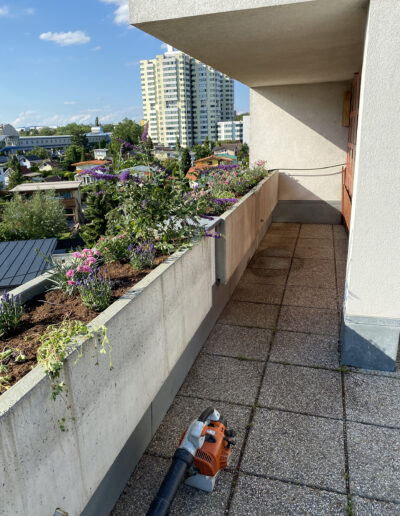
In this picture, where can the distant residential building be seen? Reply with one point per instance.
(184, 99)
(231, 148)
(67, 191)
(11, 141)
(100, 153)
(84, 166)
(230, 130)
(206, 163)
(49, 165)
(2, 178)
(163, 153)
(246, 129)
(29, 161)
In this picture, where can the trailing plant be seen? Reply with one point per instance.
(95, 291)
(143, 255)
(57, 343)
(10, 313)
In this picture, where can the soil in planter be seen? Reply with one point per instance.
(54, 306)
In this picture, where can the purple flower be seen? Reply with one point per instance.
(225, 201)
(145, 132)
(144, 203)
(206, 217)
(124, 176)
(212, 234)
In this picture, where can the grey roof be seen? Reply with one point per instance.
(3, 159)
(8, 130)
(19, 262)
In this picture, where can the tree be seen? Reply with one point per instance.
(186, 161)
(127, 130)
(16, 177)
(177, 145)
(108, 128)
(243, 154)
(41, 216)
(40, 152)
(98, 204)
(240, 117)
(79, 138)
(47, 131)
(96, 123)
(171, 165)
(72, 155)
(200, 152)
(83, 154)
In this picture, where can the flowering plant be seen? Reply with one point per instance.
(10, 313)
(95, 290)
(142, 255)
(85, 262)
(113, 248)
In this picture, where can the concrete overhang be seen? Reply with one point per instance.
(263, 42)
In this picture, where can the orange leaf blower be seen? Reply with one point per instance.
(204, 450)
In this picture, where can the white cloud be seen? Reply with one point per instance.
(25, 118)
(29, 11)
(164, 46)
(4, 11)
(121, 13)
(79, 37)
(96, 49)
(69, 102)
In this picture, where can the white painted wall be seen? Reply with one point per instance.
(300, 126)
(373, 278)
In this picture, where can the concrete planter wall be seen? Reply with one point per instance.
(156, 331)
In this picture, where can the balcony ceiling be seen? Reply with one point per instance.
(266, 42)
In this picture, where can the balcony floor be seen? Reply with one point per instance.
(312, 438)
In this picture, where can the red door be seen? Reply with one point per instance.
(348, 172)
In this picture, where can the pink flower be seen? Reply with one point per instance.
(70, 273)
(120, 236)
(86, 268)
(87, 252)
(71, 282)
(77, 255)
(227, 182)
(90, 261)
(96, 252)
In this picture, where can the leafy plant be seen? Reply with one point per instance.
(143, 255)
(57, 343)
(113, 248)
(95, 291)
(10, 313)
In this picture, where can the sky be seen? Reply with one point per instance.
(71, 61)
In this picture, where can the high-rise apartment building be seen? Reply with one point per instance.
(184, 99)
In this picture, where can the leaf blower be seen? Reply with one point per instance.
(204, 450)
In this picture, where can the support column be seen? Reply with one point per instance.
(371, 310)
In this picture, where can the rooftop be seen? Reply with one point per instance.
(92, 162)
(312, 438)
(57, 185)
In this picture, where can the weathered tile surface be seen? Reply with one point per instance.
(309, 320)
(374, 461)
(238, 341)
(270, 262)
(373, 399)
(316, 231)
(249, 314)
(265, 276)
(145, 481)
(270, 294)
(256, 496)
(223, 378)
(295, 447)
(310, 297)
(366, 507)
(305, 349)
(302, 389)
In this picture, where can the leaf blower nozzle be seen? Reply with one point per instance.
(204, 450)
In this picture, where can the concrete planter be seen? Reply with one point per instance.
(244, 225)
(156, 331)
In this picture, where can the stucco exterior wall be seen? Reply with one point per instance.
(373, 279)
(300, 126)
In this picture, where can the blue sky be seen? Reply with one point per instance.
(70, 61)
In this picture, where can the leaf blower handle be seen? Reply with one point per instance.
(160, 506)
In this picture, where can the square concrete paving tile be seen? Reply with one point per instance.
(256, 496)
(223, 378)
(316, 231)
(319, 243)
(265, 276)
(310, 297)
(282, 242)
(305, 449)
(341, 250)
(305, 349)
(269, 294)
(339, 232)
(270, 262)
(273, 250)
(249, 314)
(373, 399)
(366, 507)
(237, 341)
(284, 231)
(312, 273)
(183, 411)
(314, 252)
(302, 389)
(374, 461)
(145, 481)
(309, 320)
